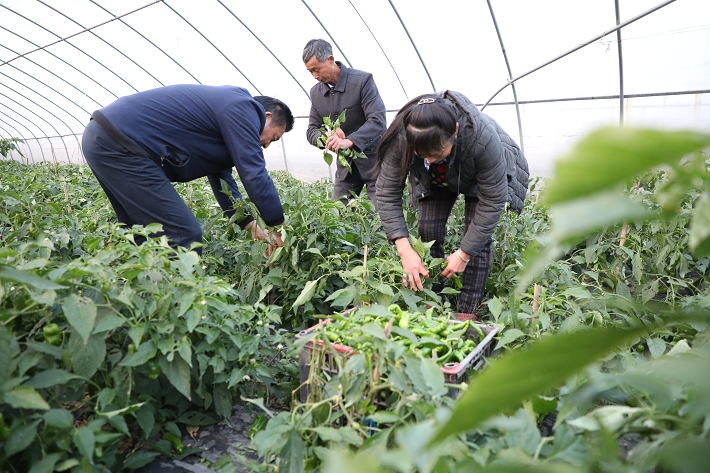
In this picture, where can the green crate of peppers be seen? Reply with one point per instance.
(443, 339)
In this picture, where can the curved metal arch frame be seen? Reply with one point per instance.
(43, 97)
(213, 45)
(510, 76)
(120, 18)
(43, 48)
(43, 119)
(265, 47)
(26, 127)
(66, 40)
(3, 129)
(99, 37)
(511, 80)
(85, 29)
(55, 75)
(381, 49)
(350, 64)
(576, 48)
(40, 106)
(413, 45)
(50, 88)
(24, 140)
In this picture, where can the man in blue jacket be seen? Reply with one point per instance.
(141, 143)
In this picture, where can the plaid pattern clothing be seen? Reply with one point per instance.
(434, 211)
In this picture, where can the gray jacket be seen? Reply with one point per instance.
(484, 163)
(365, 118)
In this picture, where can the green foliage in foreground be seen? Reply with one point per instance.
(657, 404)
(600, 363)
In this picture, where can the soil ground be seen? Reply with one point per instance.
(227, 437)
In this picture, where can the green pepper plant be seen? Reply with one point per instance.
(329, 128)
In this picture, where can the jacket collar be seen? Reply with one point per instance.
(342, 79)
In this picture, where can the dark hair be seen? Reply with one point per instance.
(280, 113)
(429, 124)
(319, 48)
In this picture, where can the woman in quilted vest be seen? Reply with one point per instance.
(448, 148)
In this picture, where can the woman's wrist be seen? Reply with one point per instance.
(463, 256)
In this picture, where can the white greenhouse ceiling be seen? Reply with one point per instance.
(560, 60)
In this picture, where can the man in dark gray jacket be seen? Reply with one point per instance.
(342, 88)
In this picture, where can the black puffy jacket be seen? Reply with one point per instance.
(485, 163)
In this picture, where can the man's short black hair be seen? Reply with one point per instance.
(280, 113)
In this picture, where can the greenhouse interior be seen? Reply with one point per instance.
(232, 238)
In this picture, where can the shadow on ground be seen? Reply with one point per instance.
(225, 438)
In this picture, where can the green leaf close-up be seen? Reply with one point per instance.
(613, 156)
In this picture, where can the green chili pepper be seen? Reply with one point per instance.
(480, 332)
(395, 309)
(439, 328)
(457, 332)
(98, 451)
(257, 426)
(404, 320)
(420, 332)
(333, 337)
(446, 357)
(458, 355)
(52, 334)
(441, 350)
(154, 370)
(4, 430)
(174, 440)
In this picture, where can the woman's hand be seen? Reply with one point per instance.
(412, 265)
(455, 263)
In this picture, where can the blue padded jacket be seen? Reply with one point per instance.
(194, 131)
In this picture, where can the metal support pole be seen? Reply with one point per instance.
(510, 76)
(413, 45)
(586, 43)
(621, 67)
(283, 147)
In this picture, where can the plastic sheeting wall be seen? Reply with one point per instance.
(61, 60)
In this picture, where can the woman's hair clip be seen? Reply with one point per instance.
(426, 100)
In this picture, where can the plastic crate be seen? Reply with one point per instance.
(454, 372)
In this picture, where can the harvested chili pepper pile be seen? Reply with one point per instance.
(439, 337)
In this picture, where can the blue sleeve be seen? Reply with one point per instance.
(240, 126)
(224, 201)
